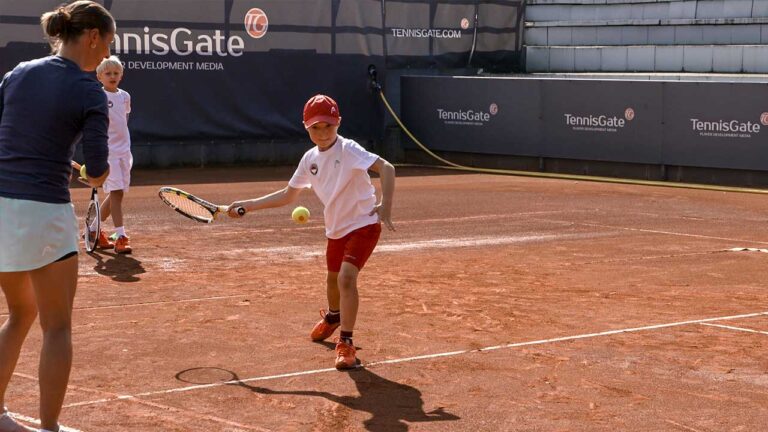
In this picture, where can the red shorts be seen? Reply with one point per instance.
(354, 248)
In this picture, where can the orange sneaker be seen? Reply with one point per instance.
(104, 242)
(123, 245)
(345, 356)
(323, 329)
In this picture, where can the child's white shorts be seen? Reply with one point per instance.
(119, 173)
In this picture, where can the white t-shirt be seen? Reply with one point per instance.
(339, 177)
(119, 104)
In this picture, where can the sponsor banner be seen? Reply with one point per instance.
(713, 125)
(602, 120)
(242, 69)
(224, 70)
(494, 116)
(417, 36)
(424, 33)
(721, 125)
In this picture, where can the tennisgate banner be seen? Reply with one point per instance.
(696, 124)
(242, 69)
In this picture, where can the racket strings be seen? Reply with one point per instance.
(187, 206)
(90, 218)
(91, 225)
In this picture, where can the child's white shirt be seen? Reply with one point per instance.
(339, 177)
(119, 104)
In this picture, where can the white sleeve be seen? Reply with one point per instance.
(127, 103)
(361, 158)
(300, 179)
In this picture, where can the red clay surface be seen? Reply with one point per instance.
(476, 261)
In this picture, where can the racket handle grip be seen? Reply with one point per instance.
(241, 211)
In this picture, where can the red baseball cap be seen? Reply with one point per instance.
(321, 108)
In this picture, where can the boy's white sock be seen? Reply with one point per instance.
(120, 231)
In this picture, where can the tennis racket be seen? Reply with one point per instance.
(191, 206)
(92, 222)
(92, 216)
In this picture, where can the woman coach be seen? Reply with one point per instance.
(46, 106)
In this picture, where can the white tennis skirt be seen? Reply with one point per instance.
(34, 234)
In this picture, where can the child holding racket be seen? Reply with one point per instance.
(110, 73)
(45, 105)
(337, 170)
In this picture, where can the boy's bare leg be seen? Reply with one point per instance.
(116, 204)
(22, 312)
(347, 281)
(55, 286)
(332, 288)
(105, 208)
(330, 322)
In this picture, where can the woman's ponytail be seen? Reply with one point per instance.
(68, 22)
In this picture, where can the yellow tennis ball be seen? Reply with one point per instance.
(300, 215)
(82, 171)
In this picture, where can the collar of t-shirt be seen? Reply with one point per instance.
(335, 148)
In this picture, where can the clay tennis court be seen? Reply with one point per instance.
(499, 304)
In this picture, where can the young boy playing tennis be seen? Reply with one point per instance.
(110, 73)
(337, 169)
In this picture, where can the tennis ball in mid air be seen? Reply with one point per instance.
(82, 172)
(300, 215)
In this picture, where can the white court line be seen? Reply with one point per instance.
(421, 357)
(495, 217)
(120, 306)
(150, 404)
(192, 300)
(37, 422)
(641, 258)
(442, 243)
(736, 328)
(298, 252)
(654, 231)
(743, 249)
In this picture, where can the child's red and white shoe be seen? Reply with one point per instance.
(345, 356)
(323, 329)
(123, 245)
(104, 242)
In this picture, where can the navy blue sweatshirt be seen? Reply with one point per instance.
(46, 106)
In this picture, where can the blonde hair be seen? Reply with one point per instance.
(111, 61)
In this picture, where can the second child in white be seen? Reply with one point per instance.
(110, 72)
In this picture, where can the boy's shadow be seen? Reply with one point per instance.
(330, 345)
(120, 267)
(391, 404)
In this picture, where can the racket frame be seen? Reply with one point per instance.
(91, 244)
(213, 209)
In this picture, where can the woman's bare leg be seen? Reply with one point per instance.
(55, 286)
(22, 312)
